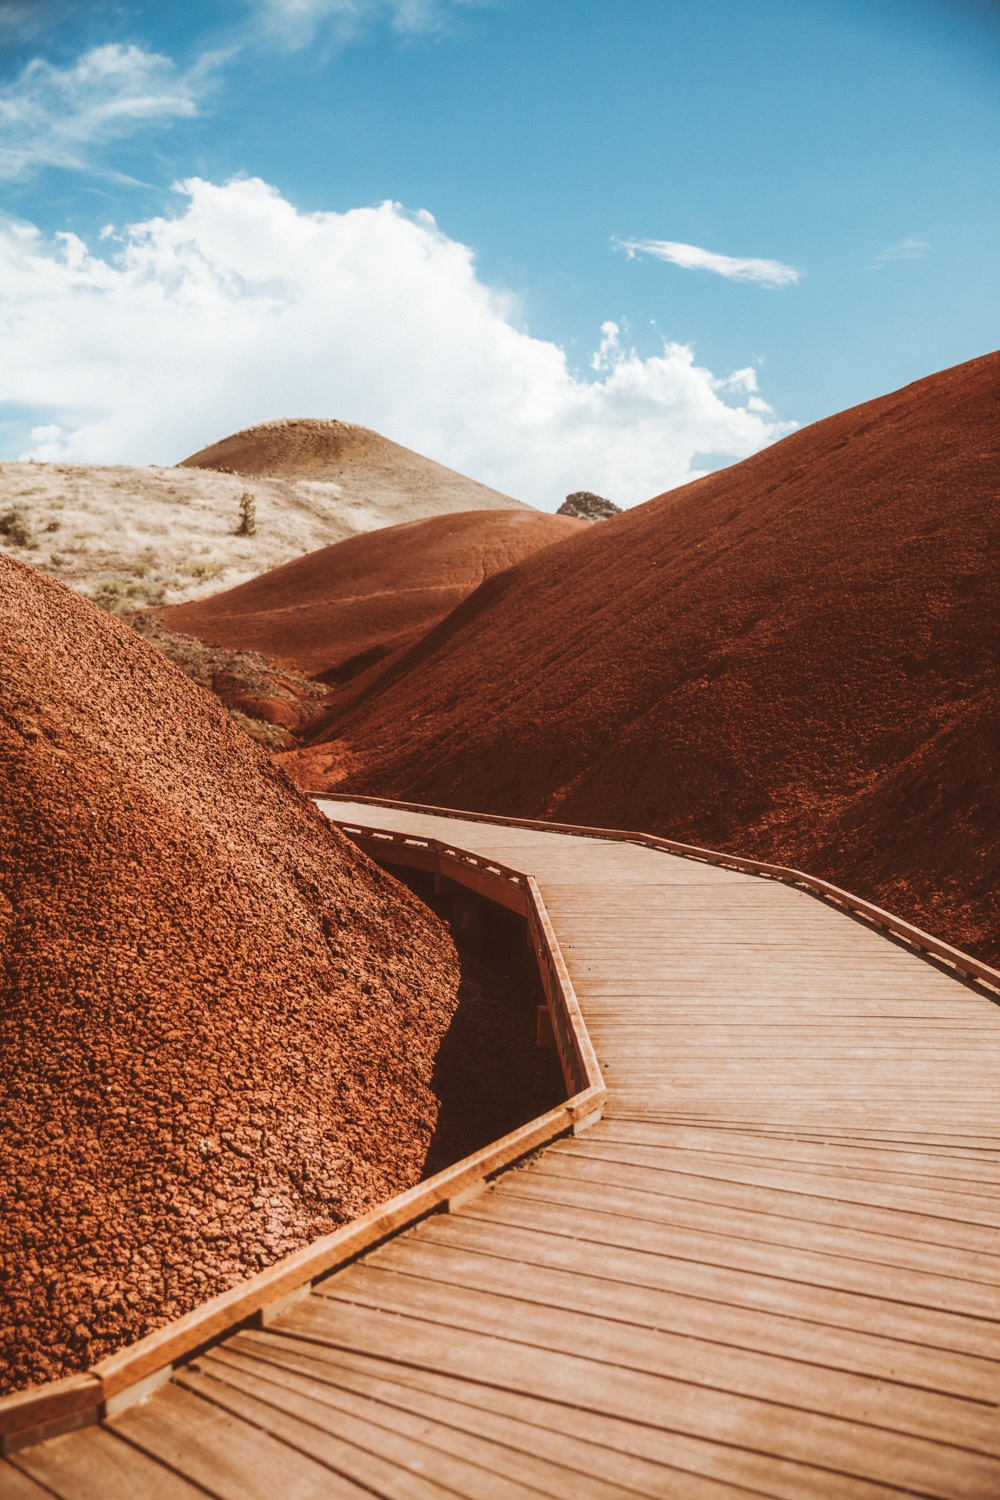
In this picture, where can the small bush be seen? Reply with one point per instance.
(203, 570)
(15, 527)
(248, 515)
(118, 596)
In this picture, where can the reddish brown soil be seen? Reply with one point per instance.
(795, 658)
(272, 704)
(338, 611)
(219, 1022)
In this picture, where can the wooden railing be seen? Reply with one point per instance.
(518, 893)
(923, 942)
(30, 1416)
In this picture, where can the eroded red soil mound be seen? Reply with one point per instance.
(219, 1022)
(344, 608)
(795, 658)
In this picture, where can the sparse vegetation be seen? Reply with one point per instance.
(202, 569)
(248, 515)
(114, 518)
(121, 596)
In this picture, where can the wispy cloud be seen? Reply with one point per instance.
(295, 23)
(61, 116)
(912, 248)
(734, 267)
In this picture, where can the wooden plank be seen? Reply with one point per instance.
(865, 1451)
(98, 1465)
(230, 1458)
(456, 1457)
(870, 1162)
(962, 1219)
(881, 918)
(775, 1266)
(630, 1455)
(373, 1457)
(570, 1468)
(482, 1298)
(766, 1313)
(883, 1236)
(17, 1486)
(717, 1240)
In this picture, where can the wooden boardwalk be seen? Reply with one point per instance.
(773, 1267)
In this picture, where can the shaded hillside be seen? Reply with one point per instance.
(795, 658)
(219, 1022)
(341, 609)
(341, 453)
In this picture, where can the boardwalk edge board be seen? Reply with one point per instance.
(60, 1406)
(924, 942)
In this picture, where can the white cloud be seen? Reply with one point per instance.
(733, 267)
(912, 248)
(59, 116)
(295, 23)
(241, 309)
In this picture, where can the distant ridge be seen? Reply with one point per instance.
(331, 452)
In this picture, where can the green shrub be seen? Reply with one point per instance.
(248, 515)
(202, 570)
(118, 596)
(15, 528)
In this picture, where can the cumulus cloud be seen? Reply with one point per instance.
(734, 267)
(295, 23)
(912, 248)
(239, 309)
(59, 116)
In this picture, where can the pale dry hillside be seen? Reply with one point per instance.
(135, 537)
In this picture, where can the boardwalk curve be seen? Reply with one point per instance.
(771, 1268)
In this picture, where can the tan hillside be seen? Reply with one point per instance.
(133, 537)
(354, 457)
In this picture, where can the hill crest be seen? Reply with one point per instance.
(330, 451)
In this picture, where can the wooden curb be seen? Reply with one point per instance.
(31, 1416)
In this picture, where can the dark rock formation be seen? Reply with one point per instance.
(586, 506)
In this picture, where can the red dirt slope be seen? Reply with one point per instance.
(795, 658)
(337, 611)
(218, 1020)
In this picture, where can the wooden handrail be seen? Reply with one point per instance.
(520, 893)
(924, 942)
(30, 1416)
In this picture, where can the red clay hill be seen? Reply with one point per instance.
(794, 658)
(218, 1020)
(335, 612)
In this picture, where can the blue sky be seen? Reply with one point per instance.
(632, 241)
